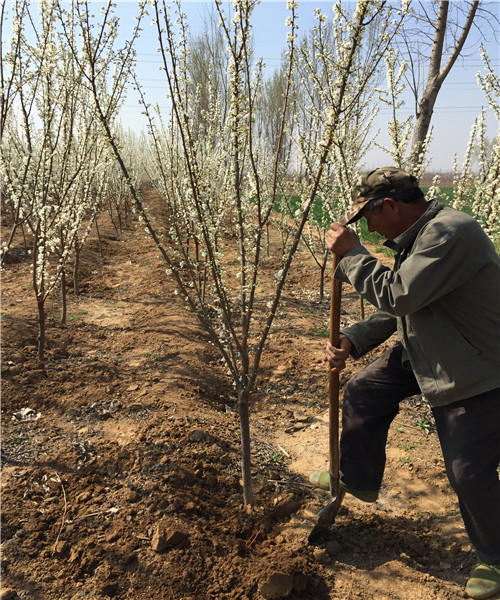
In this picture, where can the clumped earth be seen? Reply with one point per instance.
(121, 474)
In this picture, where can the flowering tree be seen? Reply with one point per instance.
(429, 44)
(220, 189)
(236, 181)
(12, 72)
(114, 195)
(480, 189)
(320, 74)
(207, 70)
(47, 162)
(222, 160)
(401, 132)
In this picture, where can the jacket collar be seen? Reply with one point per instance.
(406, 239)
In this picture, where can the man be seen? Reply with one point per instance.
(443, 299)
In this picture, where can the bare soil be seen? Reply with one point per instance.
(122, 480)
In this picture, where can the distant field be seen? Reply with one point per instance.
(323, 220)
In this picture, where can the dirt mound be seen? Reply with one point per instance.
(121, 467)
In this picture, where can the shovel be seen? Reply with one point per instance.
(328, 513)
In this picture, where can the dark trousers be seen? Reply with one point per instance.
(468, 430)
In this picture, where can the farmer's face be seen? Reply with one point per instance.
(385, 220)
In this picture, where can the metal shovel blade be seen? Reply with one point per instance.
(326, 518)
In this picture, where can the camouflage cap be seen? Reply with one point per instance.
(379, 183)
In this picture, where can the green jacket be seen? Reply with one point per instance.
(443, 299)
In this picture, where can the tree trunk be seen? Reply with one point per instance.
(25, 241)
(41, 330)
(64, 304)
(76, 270)
(119, 218)
(6, 248)
(428, 100)
(246, 463)
(322, 283)
(436, 75)
(99, 241)
(115, 226)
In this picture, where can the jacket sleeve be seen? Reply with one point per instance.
(440, 261)
(370, 332)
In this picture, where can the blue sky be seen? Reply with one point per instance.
(459, 102)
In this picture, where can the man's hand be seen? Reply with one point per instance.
(337, 356)
(340, 240)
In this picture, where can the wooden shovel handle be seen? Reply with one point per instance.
(333, 383)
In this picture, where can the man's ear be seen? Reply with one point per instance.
(392, 205)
